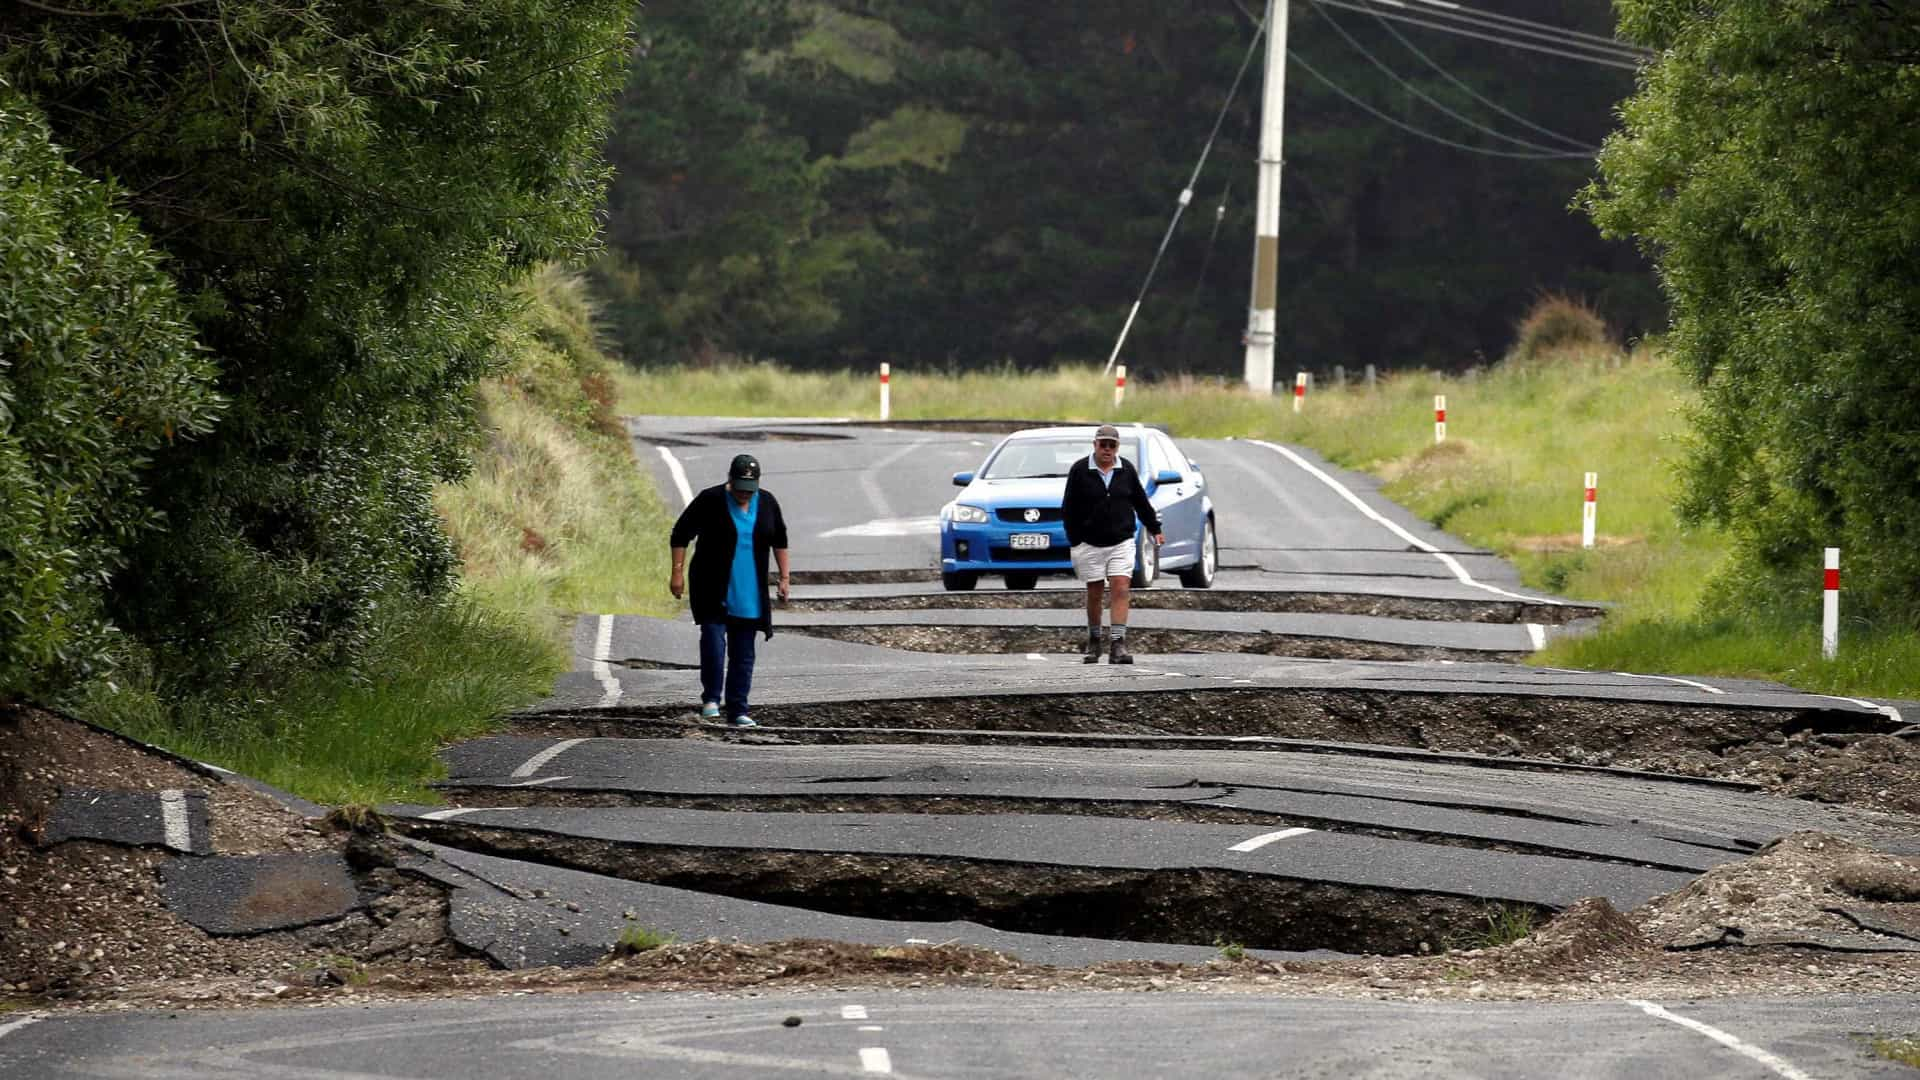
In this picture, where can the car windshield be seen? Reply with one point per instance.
(1048, 457)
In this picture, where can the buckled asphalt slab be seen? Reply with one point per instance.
(522, 914)
(1606, 815)
(174, 819)
(1070, 842)
(251, 894)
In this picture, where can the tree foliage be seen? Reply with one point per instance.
(341, 191)
(1767, 163)
(99, 375)
(988, 180)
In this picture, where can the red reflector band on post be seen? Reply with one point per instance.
(1833, 579)
(1440, 416)
(1591, 495)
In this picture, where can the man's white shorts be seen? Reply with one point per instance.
(1091, 563)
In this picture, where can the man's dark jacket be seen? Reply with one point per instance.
(708, 520)
(1097, 513)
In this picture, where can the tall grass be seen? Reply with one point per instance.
(1520, 438)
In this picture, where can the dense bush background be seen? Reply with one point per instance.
(99, 378)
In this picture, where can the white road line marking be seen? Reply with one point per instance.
(541, 780)
(853, 1012)
(875, 1059)
(602, 646)
(15, 1025)
(872, 486)
(173, 820)
(679, 475)
(532, 764)
(449, 815)
(1891, 712)
(1777, 1064)
(871, 1027)
(1537, 634)
(1447, 560)
(1264, 839)
(1672, 679)
(1035, 656)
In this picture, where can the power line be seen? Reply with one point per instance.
(1620, 61)
(1186, 193)
(1428, 135)
(1460, 11)
(1470, 91)
(1436, 103)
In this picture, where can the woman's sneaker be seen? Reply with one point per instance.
(709, 710)
(743, 720)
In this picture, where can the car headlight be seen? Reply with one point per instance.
(969, 514)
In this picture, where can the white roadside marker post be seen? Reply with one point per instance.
(1830, 608)
(1588, 510)
(886, 396)
(1299, 390)
(1119, 385)
(1439, 419)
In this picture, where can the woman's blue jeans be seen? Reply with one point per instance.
(726, 664)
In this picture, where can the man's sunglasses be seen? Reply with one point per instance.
(1107, 443)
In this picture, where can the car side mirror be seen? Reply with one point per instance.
(962, 479)
(1169, 476)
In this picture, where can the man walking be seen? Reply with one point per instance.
(732, 526)
(1103, 495)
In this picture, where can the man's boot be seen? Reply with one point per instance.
(1119, 653)
(1091, 655)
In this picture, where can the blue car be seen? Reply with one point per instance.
(1007, 521)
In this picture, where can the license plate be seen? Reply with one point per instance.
(1029, 541)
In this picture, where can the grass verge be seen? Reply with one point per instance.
(1509, 478)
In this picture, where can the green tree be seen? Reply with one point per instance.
(98, 375)
(341, 190)
(1768, 164)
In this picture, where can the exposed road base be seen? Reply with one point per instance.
(1689, 739)
(1181, 906)
(974, 640)
(1217, 599)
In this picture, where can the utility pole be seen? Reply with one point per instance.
(1266, 244)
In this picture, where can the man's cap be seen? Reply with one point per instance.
(1107, 431)
(744, 473)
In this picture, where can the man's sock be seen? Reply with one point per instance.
(1093, 632)
(1119, 631)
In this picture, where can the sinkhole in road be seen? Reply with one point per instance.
(974, 640)
(1248, 601)
(1187, 906)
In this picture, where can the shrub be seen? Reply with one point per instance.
(99, 374)
(1557, 323)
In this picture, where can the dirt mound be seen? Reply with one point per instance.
(729, 963)
(1804, 888)
(88, 919)
(1586, 931)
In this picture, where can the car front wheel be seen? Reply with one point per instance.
(1200, 574)
(960, 582)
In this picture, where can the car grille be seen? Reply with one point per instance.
(1018, 514)
(1007, 554)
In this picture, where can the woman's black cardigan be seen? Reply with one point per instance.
(707, 520)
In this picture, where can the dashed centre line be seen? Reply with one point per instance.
(853, 1012)
(1258, 842)
(875, 1059)
(1732, 1042)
